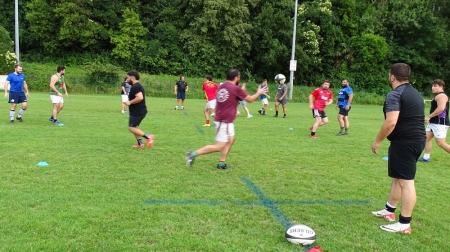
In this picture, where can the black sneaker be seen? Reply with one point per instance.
(19, 119)
(284, 116)
(189, 159)
(275, 116)
(260, 111)
(12, 121)
(223, 167)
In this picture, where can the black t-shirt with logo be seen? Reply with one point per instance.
(181, 86)
(140, 108)
(410, 127)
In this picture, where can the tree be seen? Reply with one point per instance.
(129, 40)
(7, 58)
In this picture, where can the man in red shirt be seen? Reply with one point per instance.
(228, 96)
(318, 100)
(210, 89)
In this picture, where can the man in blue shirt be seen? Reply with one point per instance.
(344, 103)
(17, 83)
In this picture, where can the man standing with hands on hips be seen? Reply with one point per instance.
(404, 127)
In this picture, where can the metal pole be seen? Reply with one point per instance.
(17, 30)
(291, 76)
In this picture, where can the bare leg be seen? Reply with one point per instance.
(408, 195)
(441, 143)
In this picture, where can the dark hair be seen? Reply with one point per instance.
(265, 80)
(439, 82)
(209, 77)
(124, 79)
(17, 65)
(401, 71)
(344, 79)
(182, 76)
(60, 68)
(133, 73)
(326, 81)
(232, 73)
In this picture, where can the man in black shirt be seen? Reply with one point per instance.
(437, 120)
(181, 87)
(404, 127)
(138, 109)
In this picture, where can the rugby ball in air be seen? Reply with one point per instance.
(279, 77)
(300, 235)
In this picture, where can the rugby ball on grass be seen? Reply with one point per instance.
(300, 234)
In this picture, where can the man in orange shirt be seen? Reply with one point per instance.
(210, 89)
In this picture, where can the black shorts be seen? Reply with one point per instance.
(402, 162)
(343, 111)
(181, 96)
(134, 121)
(316, 113)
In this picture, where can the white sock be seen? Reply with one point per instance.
(21, 111)
(426, 156)
(11, 114)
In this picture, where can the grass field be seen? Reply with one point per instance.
(98, 194)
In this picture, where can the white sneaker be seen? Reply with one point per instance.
(397, 228)
(385, 214)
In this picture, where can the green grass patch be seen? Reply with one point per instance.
(93, 194)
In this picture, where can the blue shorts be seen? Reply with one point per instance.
(134, 121)
(17, 97)
(181, 96)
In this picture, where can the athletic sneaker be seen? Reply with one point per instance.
(58, 123)
(19, 119)
(189, 159)
(260, 111)
(385, 214)
(12, 121)
(50, 119)
(223, 167)
(139, 146)
(250, 116)
(424, 160)
(275, 116)
(315, 136)
(150, 140)
(284, 116)
(206, 125)
(340, 133)
(396, 228)
(182, 108)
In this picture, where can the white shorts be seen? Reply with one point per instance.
(211, 104)
(56, 99)
(264, 101)
(439, 131)
(243, 103)
(124, 98)
(224, 131)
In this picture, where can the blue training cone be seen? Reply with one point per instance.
(42, 163)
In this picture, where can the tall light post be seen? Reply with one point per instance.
(293, 62)
(17, 30)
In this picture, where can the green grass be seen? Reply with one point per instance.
(92, 196)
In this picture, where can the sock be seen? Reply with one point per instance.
(390, 208)
(404, 221)
(21, 111)
(426, 156)
(145, 136)
(276, 112)
(11, 114)
(313, 133)
(207, 121)
(193, 154)
(346, 129)
(342, 129)
(221, 163)
(284, 114)
(140, 141)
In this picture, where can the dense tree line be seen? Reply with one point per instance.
(357, 39)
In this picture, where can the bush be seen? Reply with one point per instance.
(7, 59)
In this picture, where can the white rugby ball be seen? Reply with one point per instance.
(300, 234)
(279, 77)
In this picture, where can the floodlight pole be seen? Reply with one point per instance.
(291, 75)
(17, 30)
